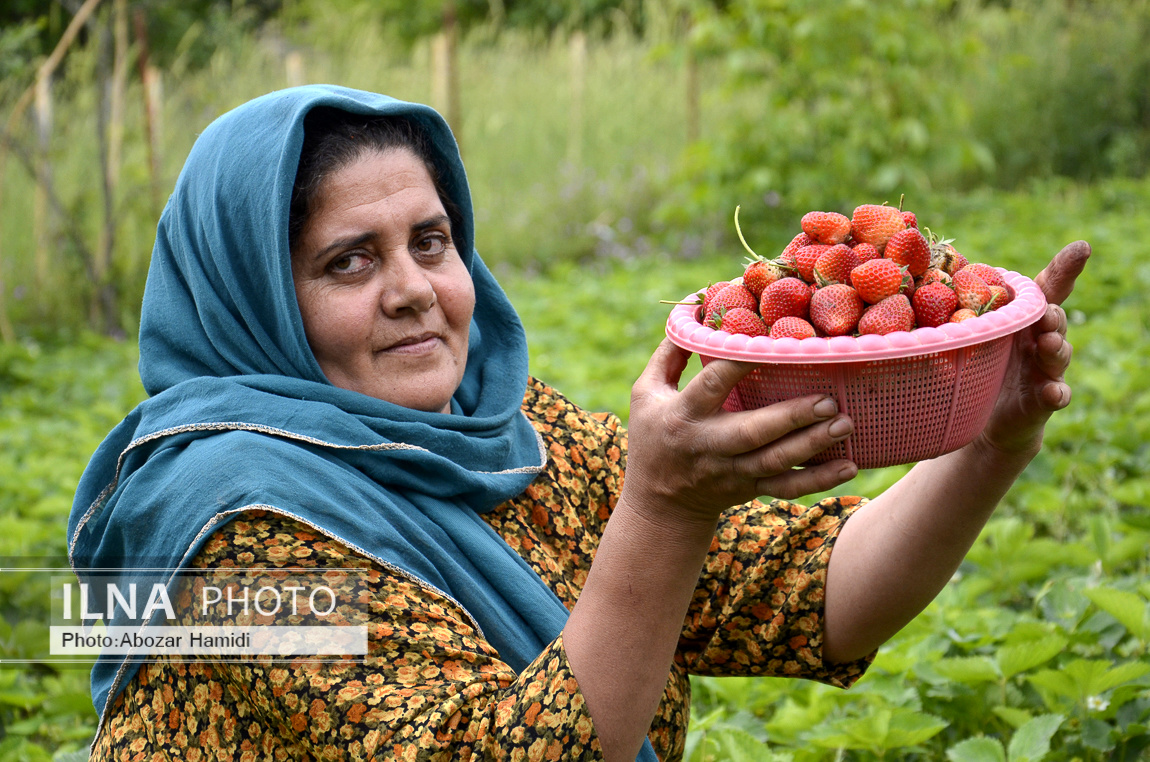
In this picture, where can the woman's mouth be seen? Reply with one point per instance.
(414, 345)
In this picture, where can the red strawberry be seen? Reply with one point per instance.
(989, 274)
(787, 255)
(865, 251)
(792, 327)
(826, 227)
(876, 279)
(962, 314)
(910, 220)
(973, 293)
(786, 296)
(805, 259)
(740, 320)
(933, 275)
(834, 265)
(891, 314)
(710, 293)
(732, 296)
(999, 297)
(761, 273)
(875, 224)
(934, 303)
(910, 249)
(836, 309)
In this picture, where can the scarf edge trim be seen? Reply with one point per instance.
(101, 498)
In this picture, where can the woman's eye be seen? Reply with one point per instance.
(348, 263)
(431, 244)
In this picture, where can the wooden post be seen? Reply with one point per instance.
(692, 86)
(119, 89)
(41, 237)
(150, 81)
(578, 57)
(445, 72)
(293, 68)
(43, 76)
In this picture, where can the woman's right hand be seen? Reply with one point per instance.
(690, 459)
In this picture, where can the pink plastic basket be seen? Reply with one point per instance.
(912, 395)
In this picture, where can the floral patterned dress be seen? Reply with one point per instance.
(431, 687)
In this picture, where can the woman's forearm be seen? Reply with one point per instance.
(896, 553)
(622, 634)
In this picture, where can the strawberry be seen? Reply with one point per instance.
(761, 273)
(709, 294)
(875, 224)
(876, 279)
(826, 227)
(786, 296)
(834, 265)
(989, 274)
(962, 314)
(973, 293)
(934, 303)
(933, 275)
(787, 255)
(891, 314)
(910, 220)
(805, 259)
(792, 327)
(730, 297)
(836, 309)
(865, 251)
(910, 249)
(945, 257)
(999, 297)
(740, 320)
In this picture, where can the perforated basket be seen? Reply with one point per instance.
(912, 395)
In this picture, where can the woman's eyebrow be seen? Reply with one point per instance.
(432, 222)
(341, 243)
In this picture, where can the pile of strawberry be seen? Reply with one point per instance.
(874, 272)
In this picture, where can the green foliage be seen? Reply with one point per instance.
(836, 102)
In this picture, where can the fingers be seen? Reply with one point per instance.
(807, 481)
(665, 367)
(797, 445)
(707, 392)
(1057, 279)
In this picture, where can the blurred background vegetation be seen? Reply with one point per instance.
(607, 143)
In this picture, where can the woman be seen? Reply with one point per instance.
(338, 382)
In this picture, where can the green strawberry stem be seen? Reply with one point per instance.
(743, 240)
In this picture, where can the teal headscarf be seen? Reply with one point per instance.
(241, 416)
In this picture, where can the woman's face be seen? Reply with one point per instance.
(385, 298)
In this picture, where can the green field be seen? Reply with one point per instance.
(1037, 650)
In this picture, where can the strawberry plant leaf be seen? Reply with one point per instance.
(1015, 659)
(1012, 716)
(1031, 742)
(980, 749)
(1130, 609)
(969, 670)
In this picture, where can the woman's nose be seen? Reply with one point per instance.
(407, 288)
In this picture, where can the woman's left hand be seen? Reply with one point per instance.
(1034, 386)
